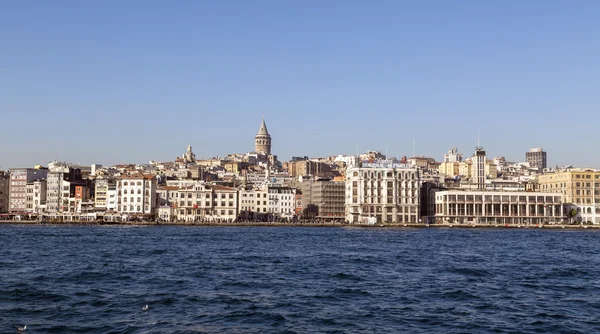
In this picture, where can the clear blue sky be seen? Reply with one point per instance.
(130, 81)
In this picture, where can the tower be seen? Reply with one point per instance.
(262, 141)
(479, 167)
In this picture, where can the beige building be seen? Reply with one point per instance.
(328, 196)
(383, 191)
(450, 169)
(206, 202)
(580, 187)
(497, 207)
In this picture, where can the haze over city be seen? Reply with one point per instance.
(114, 82)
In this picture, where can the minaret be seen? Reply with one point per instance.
(262, 141)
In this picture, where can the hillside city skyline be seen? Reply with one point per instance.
(104, 83)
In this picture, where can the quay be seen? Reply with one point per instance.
(307, 224)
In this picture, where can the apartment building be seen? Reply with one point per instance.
(387, 191)
(580, 187)
(328, 196)
(36, 196)
(4, 189)
(19, 178)
(136, 194)
(281, 201)
(498, 207)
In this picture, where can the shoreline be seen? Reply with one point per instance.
(324, 224)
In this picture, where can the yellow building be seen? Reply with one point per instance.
(579, 186)
(450, 169)
(466, 168)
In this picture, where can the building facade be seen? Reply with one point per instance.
(36, 196)
(387, 192)
(205, 202)
(580, 187)
(479, 161)
(19, 178)
(498, 207)
(136, 194)
(59, 187)
(536, 158)
(328, 196)
(4, 188)
(281, 201)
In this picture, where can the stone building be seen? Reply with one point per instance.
(386, 191)
(136, 194)
(498, 207)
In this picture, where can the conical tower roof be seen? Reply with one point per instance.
(263, 128)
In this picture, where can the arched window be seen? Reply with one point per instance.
(125, 199)
(139, 183)
(124, 191)
(125, 183)
(139, 199)
(139, 191)
(139, 208)
(589, 210)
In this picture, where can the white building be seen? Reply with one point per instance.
(281, 201)
(349, 160)
(254, 200)
(498, 207)
(136, 194)
(453, 156)
(386, 190)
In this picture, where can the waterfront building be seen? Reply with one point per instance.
(59, 181)
(136, 194)
(36, 196)
(536, 158)
(207, 202)
(4, 189)
(254, 200)
(498, 207)
(19, 178)
(384, 190)
(580, 187)
(262, 140)
(281, 201)
(329, 197)
(102, 193)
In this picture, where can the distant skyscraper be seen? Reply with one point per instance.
(453, 156)
(262, 141)
(536, 158)
(479, 167)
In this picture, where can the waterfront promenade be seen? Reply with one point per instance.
(313, 224)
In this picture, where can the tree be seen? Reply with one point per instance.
(572, 214)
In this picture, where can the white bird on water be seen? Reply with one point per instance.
(22, 329)
(145, 308)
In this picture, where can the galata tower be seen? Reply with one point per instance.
(262, 141)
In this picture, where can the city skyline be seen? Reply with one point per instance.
(112, 83)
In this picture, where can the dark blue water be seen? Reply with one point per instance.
(298, 280)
